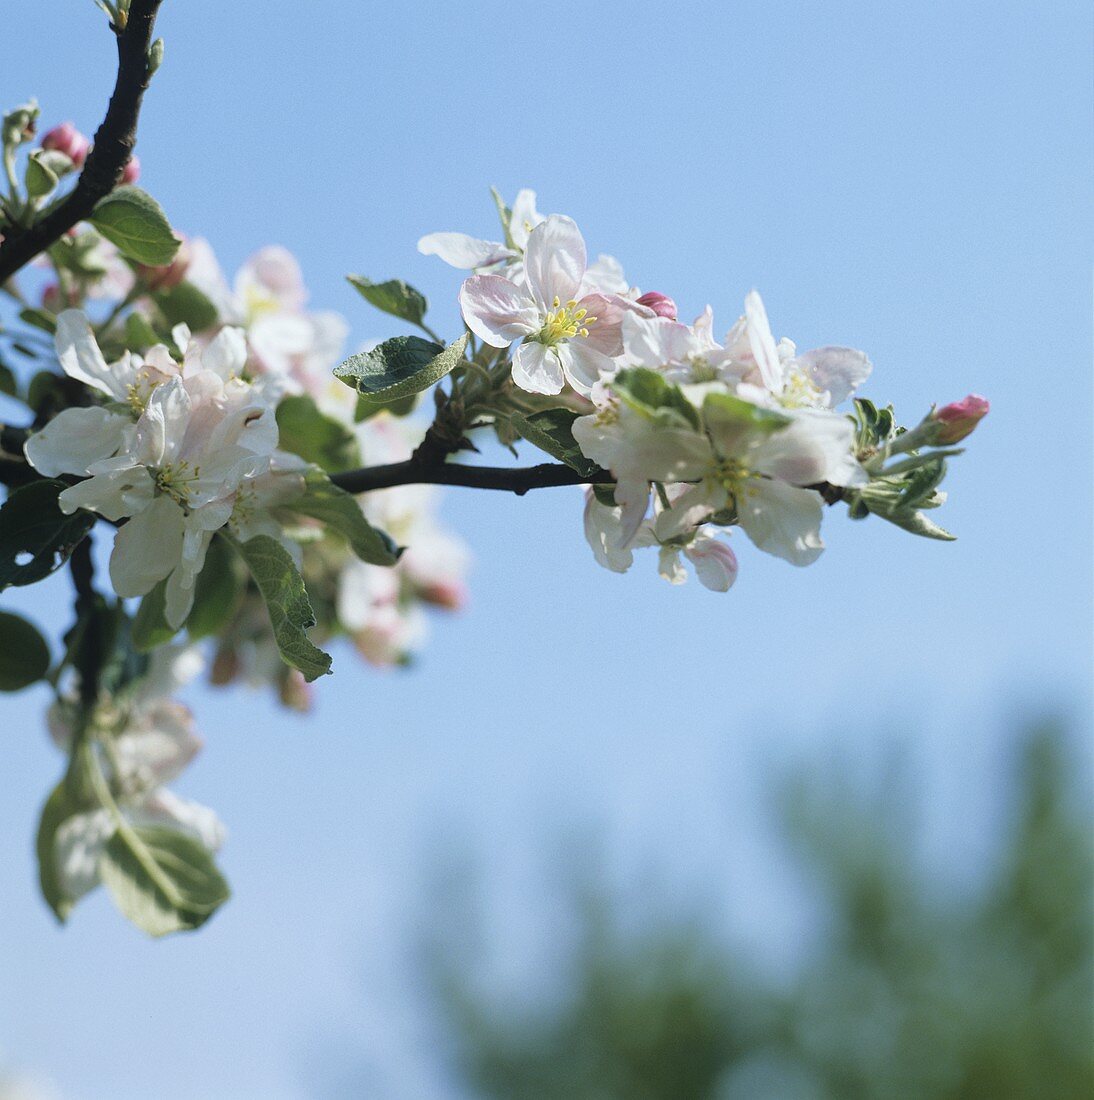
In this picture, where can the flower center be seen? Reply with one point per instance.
(174, 480)
(564, 322)
(799, 391)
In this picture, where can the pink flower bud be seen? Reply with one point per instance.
(661, 304)
(132, 170)
(451, 595)
(959, 418)
(168, 275)
(68, 140)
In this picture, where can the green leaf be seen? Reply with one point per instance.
(733, 420)
(8, 384)
(186, 305)
(918, 524)
(400, 367)
(217, 592)
(161, 879)
(340, 511)
(649, 392)
(39, 318)
(290, 612)
(314, 436)
(24, 654)
(150, 627)
(59, 807)
(131, 219)
(395, 297)
(139, 334)
(36, 537)
(552, 431)
(367, 407)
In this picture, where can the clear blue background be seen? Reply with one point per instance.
(910, 179)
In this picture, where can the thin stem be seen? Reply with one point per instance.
(114, 141)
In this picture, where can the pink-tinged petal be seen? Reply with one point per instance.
(606, 332)
(816, 446)
(460, 250)
(538, 369)
(661, 304)
(762, 343)
(714, 561)
(836, 371)
(147, 548)
(554, 261)
(162, 425)
(496, 311)
(583, 364)
(633, 497)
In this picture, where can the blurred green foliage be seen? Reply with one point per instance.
(906, 994)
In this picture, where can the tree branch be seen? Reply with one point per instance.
(114, 141)
(519, 479)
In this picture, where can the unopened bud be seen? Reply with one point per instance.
(131, 172)
(169, 275)
(68, 140)
(661, 304)
(451, 595)
(958, 419)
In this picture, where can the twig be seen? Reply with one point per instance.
(519, 479)
(114, 141)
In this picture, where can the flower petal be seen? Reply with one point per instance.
(147, 548)
(81, 358)
(76, 439)
(460, 250)
(782, 520)
(714, 561)
(554, 261)
(538, 369)
(838, 371)
(496, 311)
(762, 343)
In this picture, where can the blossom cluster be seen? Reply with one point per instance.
(212, 428)
(698, 435)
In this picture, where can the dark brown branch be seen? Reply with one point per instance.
(519, 479)
(114, 141)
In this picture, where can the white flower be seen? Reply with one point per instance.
(186, 467)
(742, 461)
(566, 338)
(775, 374)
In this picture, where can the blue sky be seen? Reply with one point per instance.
(908, 179)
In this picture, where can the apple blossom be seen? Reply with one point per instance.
(565, 339)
